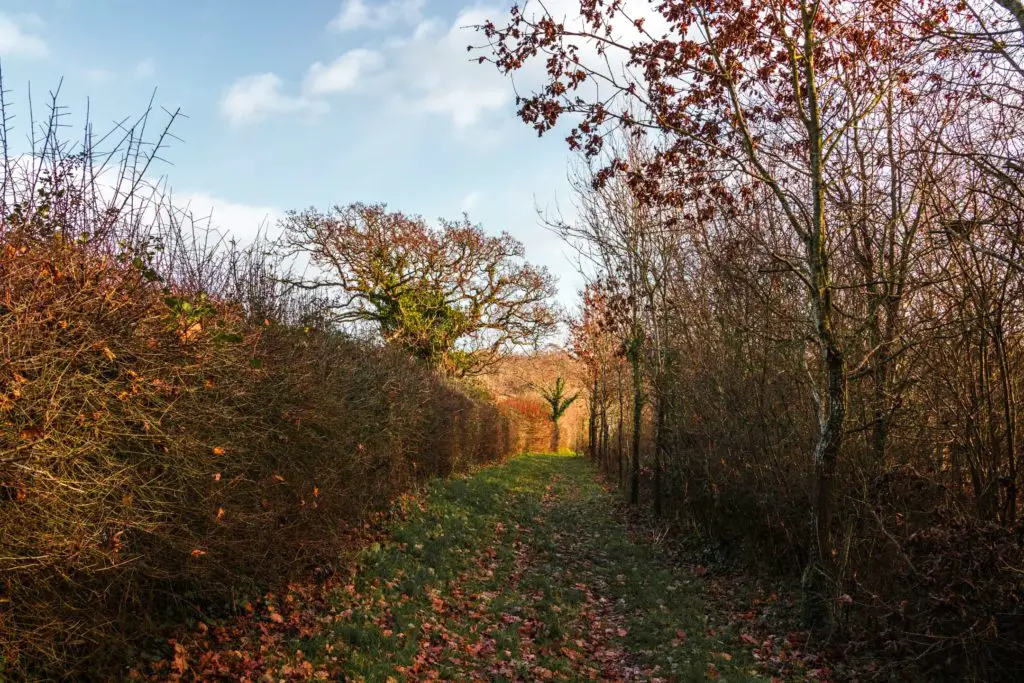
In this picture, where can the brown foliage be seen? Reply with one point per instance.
(514, 383)
(168, 443)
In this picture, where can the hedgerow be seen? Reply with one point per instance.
(177, 429)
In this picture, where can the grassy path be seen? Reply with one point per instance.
(523, 571)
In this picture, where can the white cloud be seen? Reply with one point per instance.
(16, 41)
(356, 14)
(98, 76)
(254, 98)
(342, 74)
(470, 202)
(464, 106)
(231, 219)
(429, 71)
(145, 69)
(435, 74)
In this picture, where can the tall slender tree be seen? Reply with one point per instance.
(745, 98)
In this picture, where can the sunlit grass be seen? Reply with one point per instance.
(521, 570)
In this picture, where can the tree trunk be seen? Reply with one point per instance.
(556, 436)
(880, 381)
(1010, 421)
(638, 408)
(659, 436)
(605, 439)
(820, 576)
(621, 432)
(593, 421)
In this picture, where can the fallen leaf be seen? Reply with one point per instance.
(31, 434)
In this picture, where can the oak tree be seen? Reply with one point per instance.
(452, 295)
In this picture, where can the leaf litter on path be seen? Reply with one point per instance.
(525, 571)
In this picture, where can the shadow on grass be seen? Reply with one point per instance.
(521, 571)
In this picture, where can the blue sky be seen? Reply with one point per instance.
(306, 103)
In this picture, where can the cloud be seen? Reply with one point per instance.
(463, 105)
(98, 76)
(342, 74)
(233, 220)
(356, 14)
(145, 69)
(434, 74)
(428, 71)
(470, 202)
(16, 41)
(254, 98)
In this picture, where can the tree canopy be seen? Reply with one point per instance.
(452, 295)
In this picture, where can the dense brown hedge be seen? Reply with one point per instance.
(929, 587)
(161, 450)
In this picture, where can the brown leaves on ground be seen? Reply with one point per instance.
(257, 644)
(530, 598)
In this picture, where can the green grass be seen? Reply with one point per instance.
(521, 571)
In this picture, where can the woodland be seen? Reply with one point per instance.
(775, 439)
(803, 221)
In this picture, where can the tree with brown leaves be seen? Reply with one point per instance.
(744, 98)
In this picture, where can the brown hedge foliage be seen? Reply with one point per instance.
(162, 450)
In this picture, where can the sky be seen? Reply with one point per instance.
(298, 104)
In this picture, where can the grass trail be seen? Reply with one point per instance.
(523, 571)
